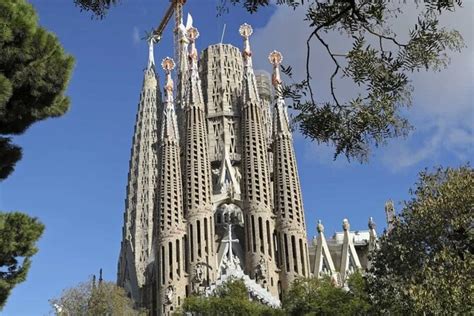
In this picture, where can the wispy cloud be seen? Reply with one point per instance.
(136, 35)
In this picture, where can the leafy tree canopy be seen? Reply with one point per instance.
(313, 296)
(378, 63)
(34, 72)
(90, 299)
(231, 298)
(425, 264)
(18, 236)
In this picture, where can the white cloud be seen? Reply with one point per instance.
(136, 35)
(443, 111)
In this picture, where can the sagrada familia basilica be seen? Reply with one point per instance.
(213, 188)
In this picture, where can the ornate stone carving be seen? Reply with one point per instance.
(261, 269)
(169, 295)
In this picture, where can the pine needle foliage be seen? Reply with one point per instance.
(34, 73)
(18, 236)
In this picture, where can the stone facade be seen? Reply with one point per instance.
(213, 189)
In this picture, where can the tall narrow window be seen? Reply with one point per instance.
(269, 239)
(247, 235)
(191, 241)
(198, 225)
(185, 250)
(163, 262)
(293, 249)
(260, 235)
(206, 237)
(178, 258)
(302, 258)
(170, 259)
(285, 255)
(254, 242)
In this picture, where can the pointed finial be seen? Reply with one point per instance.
(275, 59)
(345, 224)
(245, 31)
(371, 223)
(320, 227)
(168, 65)
(151, 57)
(192, 34)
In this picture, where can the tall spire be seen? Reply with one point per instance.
(151, 56)
(250, 83)
(281, 122)
(256, 184)
(169, 219)
(197, 177)
(136, 248)
(287, 191)
(194, 92)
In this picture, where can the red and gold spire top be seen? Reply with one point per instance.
(281, 122)
(245, 31)
(275, 59)
(169, 127)
(168, 65)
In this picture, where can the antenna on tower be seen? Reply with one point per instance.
(223, 32)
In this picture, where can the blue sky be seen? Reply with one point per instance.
(74, 171)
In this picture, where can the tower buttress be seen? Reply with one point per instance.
(256, 185)
(169, 219)
(293, 257)
(136, 246)
(197, 180)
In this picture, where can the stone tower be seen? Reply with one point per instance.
(137, 234)
(170, 226)
(221, 184)
(288, 203)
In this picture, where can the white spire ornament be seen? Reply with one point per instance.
(192, 34)
(151, 57)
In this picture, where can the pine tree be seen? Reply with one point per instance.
(18, 236)
(34, 73)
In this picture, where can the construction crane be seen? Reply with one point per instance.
(176, 7)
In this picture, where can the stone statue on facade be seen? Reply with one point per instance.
(198, 274)
(261, 269)
(169, 295)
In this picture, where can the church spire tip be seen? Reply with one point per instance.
(192, 34)
(168, 65)
(151, 56)
(275, 59)
(245, 31)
